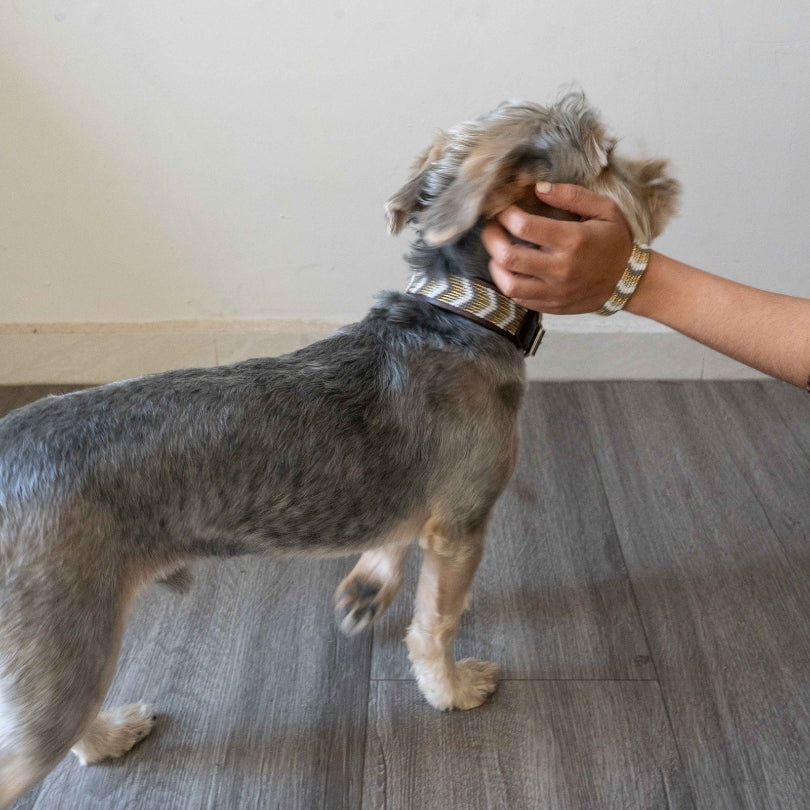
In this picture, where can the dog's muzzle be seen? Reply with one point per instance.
(483, 303)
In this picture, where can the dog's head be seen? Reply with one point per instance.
(480, 167)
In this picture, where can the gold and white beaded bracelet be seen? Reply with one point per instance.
(636, 265)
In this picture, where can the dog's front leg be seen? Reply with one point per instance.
(449, 563)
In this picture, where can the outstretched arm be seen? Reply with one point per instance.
(576, 265)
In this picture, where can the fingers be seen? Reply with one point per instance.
(525, 290)
(558, 234)
(541, 231)
(503, 251)
(578, 200)
(517, 270)
(567, 267)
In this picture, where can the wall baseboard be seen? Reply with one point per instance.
(97, 353)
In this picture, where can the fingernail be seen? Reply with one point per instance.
(543, 187)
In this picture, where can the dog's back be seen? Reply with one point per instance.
(318, 451)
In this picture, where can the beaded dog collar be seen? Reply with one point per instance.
(482, 303)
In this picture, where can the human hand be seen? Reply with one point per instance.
(574, 266)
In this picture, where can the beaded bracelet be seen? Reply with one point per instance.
(636, 265)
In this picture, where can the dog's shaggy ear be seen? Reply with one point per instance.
(410, 199)
(488, 181)
(644, 191)
(480, 167)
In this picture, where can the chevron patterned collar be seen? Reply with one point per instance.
(481, 302)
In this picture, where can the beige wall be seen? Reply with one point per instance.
(228, 161)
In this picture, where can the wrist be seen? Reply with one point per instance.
(629, 281)
(655, 292)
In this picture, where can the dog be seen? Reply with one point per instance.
(403, 425)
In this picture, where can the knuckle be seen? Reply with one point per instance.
(611, 211)
(497, 272)
(510, 259)
(572, 193)
(498, 246)
(521, 227)
(576, 242)
(508, 285)
(563, 274)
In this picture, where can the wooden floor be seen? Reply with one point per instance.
(646, 592)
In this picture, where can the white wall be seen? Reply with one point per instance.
(223, 160)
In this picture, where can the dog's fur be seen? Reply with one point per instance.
(402, 425)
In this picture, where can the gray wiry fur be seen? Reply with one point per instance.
(402, 424)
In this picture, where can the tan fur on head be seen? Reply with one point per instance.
(480, 167)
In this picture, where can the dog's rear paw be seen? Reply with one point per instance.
(114, 732)
(470, 684)
(358, 602)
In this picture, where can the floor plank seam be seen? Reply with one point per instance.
(786, 555)
(752, 488)
(365, 745)
(657, 679)
(538, 680)
(633, 596)
(788, 423)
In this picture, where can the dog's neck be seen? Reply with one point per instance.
(466, 257)
(456, 278)
(482, 303)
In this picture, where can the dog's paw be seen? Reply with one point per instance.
(358, 602)
(475, 681)
(114, 732)
(365, 594)
(469, 685)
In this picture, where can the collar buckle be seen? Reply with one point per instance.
(536, 340)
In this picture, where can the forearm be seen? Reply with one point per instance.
(767, 331)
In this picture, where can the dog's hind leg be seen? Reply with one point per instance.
(18, 773)
(364, 595)
(60, 632)
(449, 562)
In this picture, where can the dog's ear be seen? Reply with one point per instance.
(502, 155)
(645, 192)
(402, 206)
(488, 181)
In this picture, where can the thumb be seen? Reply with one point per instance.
(576, 199)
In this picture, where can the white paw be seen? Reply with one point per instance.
(361, 601)
(469, 685)
(114, 732)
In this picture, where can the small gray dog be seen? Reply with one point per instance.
(402, 425)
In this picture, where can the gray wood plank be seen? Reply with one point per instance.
(563, 745)
(551, 598)
(261, 701)
(766, 454)
(794, 406)
(726, 612)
